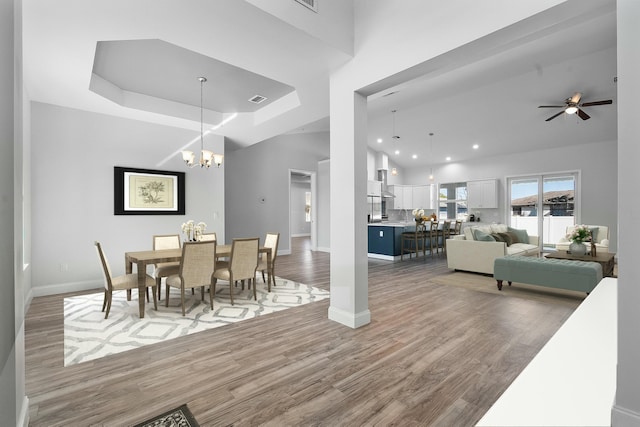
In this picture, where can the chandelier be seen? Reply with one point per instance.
(207, 157)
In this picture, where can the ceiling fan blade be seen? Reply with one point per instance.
(554, 116)
(551, 106)
(591, 104)
(576, 97)
(583, 115)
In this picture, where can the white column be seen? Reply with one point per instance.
(348, 182)
(626, 409)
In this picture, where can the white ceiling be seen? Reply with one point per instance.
(491, 102)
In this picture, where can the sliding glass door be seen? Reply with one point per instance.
(544, 205)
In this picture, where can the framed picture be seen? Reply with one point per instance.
(148, 192)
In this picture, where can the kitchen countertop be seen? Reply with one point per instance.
(392, 224)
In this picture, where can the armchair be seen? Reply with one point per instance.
(601, 238)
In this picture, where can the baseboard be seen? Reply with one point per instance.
(624, 417)
(323, 249)
(23, 418)
(62, 288)
(301, 235)
(352, 320)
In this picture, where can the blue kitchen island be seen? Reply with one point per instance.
(385, 239)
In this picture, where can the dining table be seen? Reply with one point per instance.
(150, 257)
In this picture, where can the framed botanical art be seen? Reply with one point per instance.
(148, 192)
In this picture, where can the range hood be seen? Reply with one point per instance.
(382, 176)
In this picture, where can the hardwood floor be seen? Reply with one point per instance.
(432, 355)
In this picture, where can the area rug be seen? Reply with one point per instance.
(487, 284)
(178, 417)
(88, 335)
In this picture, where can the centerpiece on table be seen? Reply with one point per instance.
(418, 215)
(193, 231)
(579, 235)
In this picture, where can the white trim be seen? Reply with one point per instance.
(61, 288)
(323, 249)
(23, 418)
(301, 235)
(352, 320)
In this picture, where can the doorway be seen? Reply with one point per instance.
(544, 205)
(302, 205)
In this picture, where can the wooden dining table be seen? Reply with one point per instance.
(144, 258)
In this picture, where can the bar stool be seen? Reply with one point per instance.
(412, 242)
(433, 237)
(445, 233)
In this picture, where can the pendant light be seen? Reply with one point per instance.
(431, 177)
(207, 158)
(395, 137)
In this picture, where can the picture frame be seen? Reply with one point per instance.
(148, 192)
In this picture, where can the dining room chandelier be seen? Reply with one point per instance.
(207, 157)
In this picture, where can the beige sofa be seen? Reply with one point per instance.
(601, 239)
(468, 253)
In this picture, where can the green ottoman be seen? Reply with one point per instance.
(554, 273)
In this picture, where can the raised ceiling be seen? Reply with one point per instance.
(130, 60)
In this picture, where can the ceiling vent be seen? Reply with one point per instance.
(257, 99)
(311, 4)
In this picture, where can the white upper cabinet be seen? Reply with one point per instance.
(482, 194)
(412, 196)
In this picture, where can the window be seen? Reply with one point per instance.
(453, 201)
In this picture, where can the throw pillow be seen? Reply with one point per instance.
(523, 236)
(482, 236)
(497, 237)
(499, 228)
(594, 233)
(513, 236)
(506, 238)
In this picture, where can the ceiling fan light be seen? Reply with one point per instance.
(572, 109)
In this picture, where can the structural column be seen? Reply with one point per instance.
(348, 186)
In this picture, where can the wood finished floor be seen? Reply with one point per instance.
(432, 355)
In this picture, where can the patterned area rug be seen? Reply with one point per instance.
(88, 335)
(179, 417)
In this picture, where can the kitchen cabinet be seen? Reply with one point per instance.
(482, 194)
(374, 188)
(412, 196)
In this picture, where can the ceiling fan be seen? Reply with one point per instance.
(573, 106)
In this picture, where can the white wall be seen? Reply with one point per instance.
(299, 225)
(324, 206)
(73, 155)
(596, 162)
(261, 173)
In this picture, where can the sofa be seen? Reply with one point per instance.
(601, 238)
(476, 249)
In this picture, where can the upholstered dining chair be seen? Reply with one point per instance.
(196, 270)
(243, 263)
(270, 241)
(207, 237)
(165, 269)
(125, 282)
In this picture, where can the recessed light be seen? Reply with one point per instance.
(397, 151)
(379, 140)
(476, 146)
(448, 159)
(415, 156)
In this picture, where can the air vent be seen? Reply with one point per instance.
(257, 99)
(311, 4)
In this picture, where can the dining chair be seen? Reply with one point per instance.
(243, 263)
(270, 241)
(196, 270)
(165, 269)
(207, 237)
(126, 282)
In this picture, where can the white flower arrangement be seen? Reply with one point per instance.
(418, 214)
(193, 231)
(581, 233)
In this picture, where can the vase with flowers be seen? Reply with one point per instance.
(193, 231)
(418, 215)
(579, 235)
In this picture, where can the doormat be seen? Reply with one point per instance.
(178, 417)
